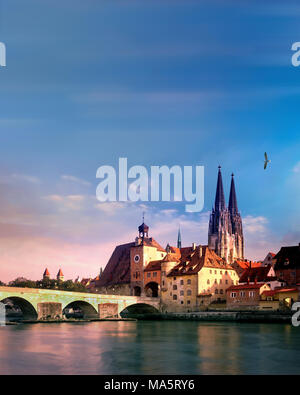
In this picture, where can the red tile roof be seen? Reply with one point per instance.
(279, 290)
(150, 242)
(244, 286)
(153, 266)
(259, 274)
(117, 270)
(46, 272)
(192, 260)
(60, 273)
(247, 264)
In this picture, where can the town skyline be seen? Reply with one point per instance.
(99, 87)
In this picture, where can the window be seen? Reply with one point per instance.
(220, 281)
(210, 272)
(216, 282)
(233, 294)
(226, 272)
(189, 281)
(174, 287)
(174, 297)
(155, 274)
(188, 302)
(221, 291)
(163, 273)
(215, 272)
(181, 293)
(226, 281)
(189, 292)
(216, 291)
(181, 302)
(208, 282)
(174, 278)
(221, 272)
(181, 282)
(242, 294)
(148, 274)
(251, 294)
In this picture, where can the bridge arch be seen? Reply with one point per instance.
(139, 310)
(28, 310)
(87, 309)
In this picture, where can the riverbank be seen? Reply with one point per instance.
(224, 316)
(206, 316)
(68, 321)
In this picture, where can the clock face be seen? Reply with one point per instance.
(136, 258)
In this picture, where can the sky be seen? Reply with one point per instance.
(160, 82)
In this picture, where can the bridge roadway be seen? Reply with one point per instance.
(41, 304)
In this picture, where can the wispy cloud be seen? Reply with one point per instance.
(68, 202)
(74, 179)
(14, 178)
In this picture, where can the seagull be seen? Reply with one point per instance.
(266, 161)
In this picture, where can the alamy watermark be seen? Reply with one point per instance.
(296, 56)
(295, 316)
(2, 54)
(160, 184)
(2, 314)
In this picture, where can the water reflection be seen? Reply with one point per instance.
(149, 347)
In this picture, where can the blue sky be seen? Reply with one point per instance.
(169, 82)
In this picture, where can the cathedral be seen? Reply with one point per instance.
(225, 232)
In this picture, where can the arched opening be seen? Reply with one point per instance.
(137, 291)
(151, 289)
(80, 310)
(18, 309)
(140, 311)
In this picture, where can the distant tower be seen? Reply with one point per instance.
(60, 276)
(225, 234)
(46, 275)
(179, 239)
(236, 222)
(143, 230)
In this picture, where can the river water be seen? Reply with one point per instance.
(150, 347)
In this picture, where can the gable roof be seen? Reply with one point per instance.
(247, 264)
(259, 274)
(117, 270)
(192, 260)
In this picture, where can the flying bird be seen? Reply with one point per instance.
(266, 161)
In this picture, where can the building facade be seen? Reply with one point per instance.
(245, 296)
(197, 279)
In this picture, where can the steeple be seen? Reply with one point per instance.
(143, 229)
(220, 199)
(179, 239)
(233, 208)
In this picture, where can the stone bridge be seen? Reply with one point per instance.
(40, 304)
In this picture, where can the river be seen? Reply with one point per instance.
(150, 347)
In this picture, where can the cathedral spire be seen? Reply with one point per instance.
(179, 239)
(220, 199)
(233, 208)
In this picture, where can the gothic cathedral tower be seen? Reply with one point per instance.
(225, 233)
